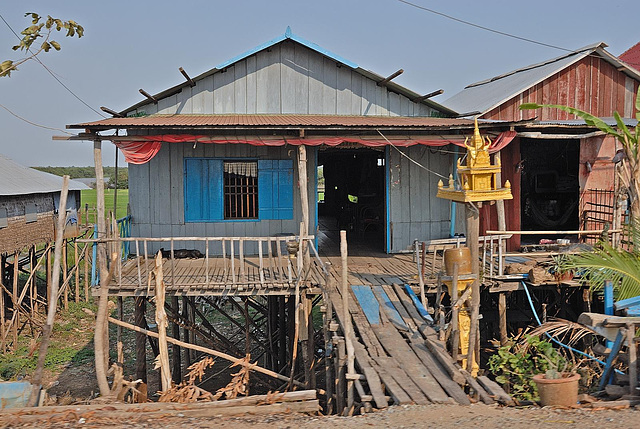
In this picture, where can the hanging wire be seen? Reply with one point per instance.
(482, 27)
(411, 159)
(33, 123)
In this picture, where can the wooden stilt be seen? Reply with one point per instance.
(14, 299)
(77, 277)
(341, 366)
(48, 262)
(65, 272)
(185, 332)
(282, 333)
(101, 337)
(327, 316)
(502, 316)
(633, 362)
(120, 317)
(32, 281)
(141, 351)
(192, 334)
(86, 272)
(175, 349)
(3, 261)
(348, 335)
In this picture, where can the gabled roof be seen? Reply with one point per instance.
(481, 97)
(632, 56)
(288, 35)
(16, 179)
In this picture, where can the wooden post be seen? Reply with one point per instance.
(175, 349)
(473, 233)
(340, 362)
(14, 298)
(120, 317)
(185, 331)
(420, 263)
(141, 353)
(48, 274)
(502, 316)
(633, 362)
(65, 273)
(304, 199)
(101, 337)
(162, 322)
(455, 310)
(86, 272)
(51, 311)
(3, 260)
(348, 335)
(77, 278)
(327, 316)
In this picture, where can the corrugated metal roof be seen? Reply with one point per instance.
(270, 121)
(290, 36)
(488, 94)
(629, 122)
(16, 179)
(632, 56)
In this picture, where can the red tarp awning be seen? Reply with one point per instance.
(141, 152)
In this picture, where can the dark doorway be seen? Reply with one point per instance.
(549, 188)
(351, 197)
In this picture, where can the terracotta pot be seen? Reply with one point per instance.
(561, 392)
(461, 256)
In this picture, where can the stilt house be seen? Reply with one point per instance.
(223, 154)
(561, 170)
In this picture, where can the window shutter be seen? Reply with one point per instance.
(203, 190)
(275, 189)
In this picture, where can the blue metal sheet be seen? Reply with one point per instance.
(287, 35)
(416, 301)
(389, 308)
(368, 303)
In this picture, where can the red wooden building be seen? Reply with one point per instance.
(632, 56)
(557, 163)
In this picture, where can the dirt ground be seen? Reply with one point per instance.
(439, 416)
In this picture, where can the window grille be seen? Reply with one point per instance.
(240, 190)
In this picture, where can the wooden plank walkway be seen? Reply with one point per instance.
(391, 337)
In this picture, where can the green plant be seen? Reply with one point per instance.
(514, 365)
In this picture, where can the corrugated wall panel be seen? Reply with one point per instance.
(288, 78)
(415, 212)
(157, 193)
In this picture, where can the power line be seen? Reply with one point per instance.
(502, 33)
(33, 123)
(51, 73)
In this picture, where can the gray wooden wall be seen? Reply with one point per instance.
(415, 212)
(288, 78)
(156, 195)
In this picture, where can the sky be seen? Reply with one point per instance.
(130, 45)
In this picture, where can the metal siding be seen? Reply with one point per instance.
(289, 78)
(240, 87)
(176, 174)
(329, 91)
(223, 91)
(185, 101)
(251, 85)
(343, 87)
(316, 84)
(302, 81)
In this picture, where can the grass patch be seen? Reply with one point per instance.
(89, 196)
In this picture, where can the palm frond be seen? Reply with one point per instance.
(564, 331)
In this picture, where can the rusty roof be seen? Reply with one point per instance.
(273, 121)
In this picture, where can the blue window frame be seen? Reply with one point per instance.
(205, 193)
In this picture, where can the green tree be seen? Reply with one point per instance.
(606, 262)
(40, 28)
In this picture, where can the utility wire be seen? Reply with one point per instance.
(35, 57)
(502, 33)
(33, 123)
(411, 159)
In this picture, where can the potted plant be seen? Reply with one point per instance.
(527, 369)
(559, 269)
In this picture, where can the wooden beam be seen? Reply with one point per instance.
(239, 361)
(186, 76)
(429, 95)
(149, 96)
(111, 112)
(388, 79)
